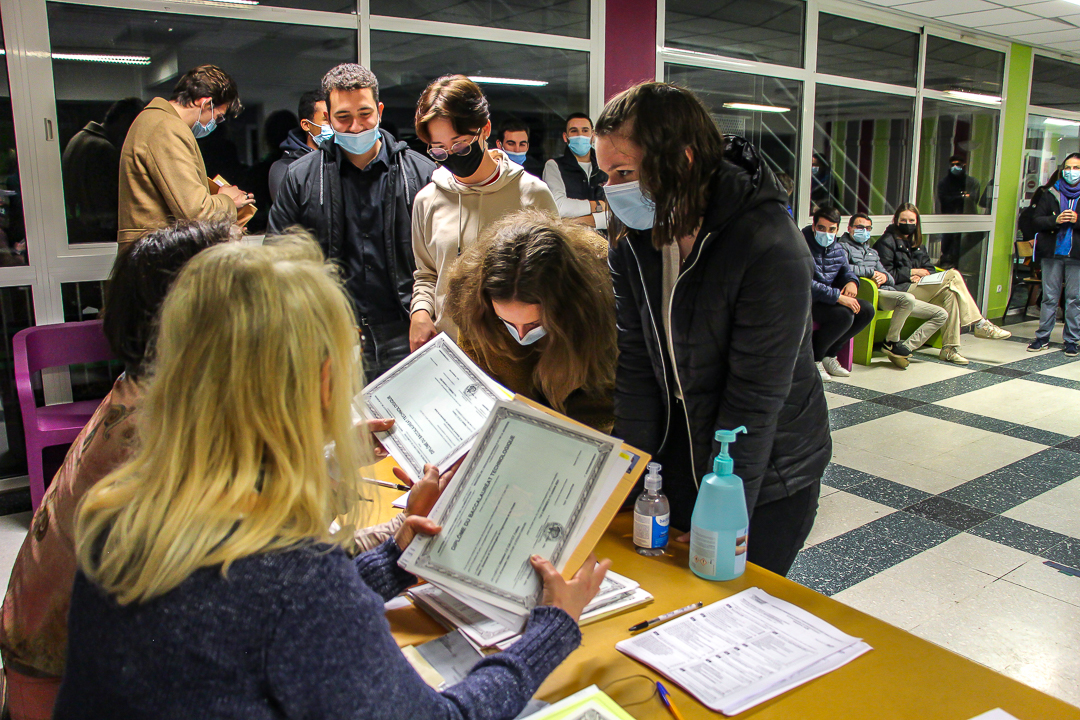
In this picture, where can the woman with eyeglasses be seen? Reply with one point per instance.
(472, 188)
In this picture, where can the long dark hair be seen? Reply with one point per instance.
(665, 121)
(916, 240)
(1057, 173)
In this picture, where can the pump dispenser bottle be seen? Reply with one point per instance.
(720, 523)
(651, 516)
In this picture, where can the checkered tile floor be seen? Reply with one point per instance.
(950, 488)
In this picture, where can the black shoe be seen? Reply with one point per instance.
(1037, 345)
(1070, 349)
(895, 348)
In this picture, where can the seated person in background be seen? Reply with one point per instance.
(535, 308)
(839, 314)
(575, 180)
(903, 256)
(865, 263)
(208, 576)
(513, 139)
(33, 634)
(314, 130)
(788, 183)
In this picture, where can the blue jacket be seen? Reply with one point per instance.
(831, 269)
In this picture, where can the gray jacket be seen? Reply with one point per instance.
(864, 260)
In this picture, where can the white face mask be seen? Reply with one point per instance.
(530, 337)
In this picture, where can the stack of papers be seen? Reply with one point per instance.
(743, 650)
(592, 703)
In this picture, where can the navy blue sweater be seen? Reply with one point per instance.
(831, 269)
(293, 634)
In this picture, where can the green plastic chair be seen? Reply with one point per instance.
(877, 329)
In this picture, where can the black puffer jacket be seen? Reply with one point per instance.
(741, 329)
(292, 149)
(900, 258)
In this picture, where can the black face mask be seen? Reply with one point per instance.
(906, 228)
(464, 166)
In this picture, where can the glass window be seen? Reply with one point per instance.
(966, 251)
(1055, 84)
(166, 46)
(340, 6)
(765, 30)
(957, 66)
(83, 301)
(957, 156)
(12, 226)
(16, 313)
(406, 63)
(557, 17)
(866, 51)
(1049, 141)
(862, 149)
(771, 120)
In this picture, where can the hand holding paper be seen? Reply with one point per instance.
(571, 595)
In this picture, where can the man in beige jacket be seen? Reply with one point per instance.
(162, 174)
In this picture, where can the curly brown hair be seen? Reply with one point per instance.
(532, 257)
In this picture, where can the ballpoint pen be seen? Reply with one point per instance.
(386, 484)
(668, 703)
(665, 617)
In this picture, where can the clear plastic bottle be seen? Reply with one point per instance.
(651, 516)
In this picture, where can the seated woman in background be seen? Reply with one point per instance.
(208, 577)
(33, 634)
(535, 308)
(901, 251)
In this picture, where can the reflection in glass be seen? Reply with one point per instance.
(862, 146)
(12, 226)
(1055, 84)
(406, 63)
(866, 51)
(556, 17)
(1049, 141)
(952, 65)
(768, 31)
(950, 133)
(971, 260)
(775, 134)
(16, 313)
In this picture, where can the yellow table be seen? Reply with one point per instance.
(902, 677)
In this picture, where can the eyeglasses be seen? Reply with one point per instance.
(459, 148)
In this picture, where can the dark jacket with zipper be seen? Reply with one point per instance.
(900, 258)
(310, 196)
(578, 185)
(831, 269)
(1047, 209)
(292, 149)
(741, 332)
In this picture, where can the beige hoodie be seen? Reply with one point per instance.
(449, 217)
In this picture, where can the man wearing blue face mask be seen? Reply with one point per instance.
(356, 193)
(512, 138)
(575, 180)
(865, 263)
(314, 130)
(839, 315)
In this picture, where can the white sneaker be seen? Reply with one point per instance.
(833, 367)
(951, 354)
(825, 376)
(986, 329)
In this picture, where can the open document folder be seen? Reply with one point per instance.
(535, 483)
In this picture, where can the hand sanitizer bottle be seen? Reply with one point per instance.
(720, 524)
(651, 516)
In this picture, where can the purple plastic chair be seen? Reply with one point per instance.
(846, 355)
(48, 346)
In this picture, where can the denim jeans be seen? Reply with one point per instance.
(1055, 274)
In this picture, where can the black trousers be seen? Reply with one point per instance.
(385, 345)
(836, 325)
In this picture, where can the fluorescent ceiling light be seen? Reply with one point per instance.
(976, 97)
(710, 56)
(110, 59)
(3, 51)
(756, 108)
(1058, 121)
(507, 81)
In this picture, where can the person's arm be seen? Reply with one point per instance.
(422, 310)
(861, 267)
(1046, 212)
(845, 275)
(285, 212)
(823, 292)
(564, 206)
(873, 256)
(370, 538)
(540, 198)
(172, 164)
(892, 260)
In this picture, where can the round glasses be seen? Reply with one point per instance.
(460, 148)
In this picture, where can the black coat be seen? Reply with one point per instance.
(1047, 208)
(899, 258)
(741, 330)
(310, 196)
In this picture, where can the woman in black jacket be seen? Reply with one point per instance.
(1057, 247)
(902, 253)
(712, 288)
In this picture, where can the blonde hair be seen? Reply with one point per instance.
(232, 459)
(535, 258)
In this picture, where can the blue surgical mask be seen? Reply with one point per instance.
(201, 130)
(824, 239)
(325, 133)
(580, 145)
(860, 235)
(1071, 175)
(630, 205)
(519, 158)
(957, 169)
(530, 337)
(357, 143)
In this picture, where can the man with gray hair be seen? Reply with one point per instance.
(356, 195)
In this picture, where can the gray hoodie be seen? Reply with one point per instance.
(864, 260)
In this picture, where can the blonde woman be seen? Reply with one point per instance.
(208, 578)
(535, 309)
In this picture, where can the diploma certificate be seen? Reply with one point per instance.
(529, 486)
(439, 399)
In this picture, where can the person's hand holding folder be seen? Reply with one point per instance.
(422, 497)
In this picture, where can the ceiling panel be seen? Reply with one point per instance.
(991, 17)
(939, 8)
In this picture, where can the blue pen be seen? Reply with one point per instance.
(666, 699)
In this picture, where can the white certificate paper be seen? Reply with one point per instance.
(439, 399)
(529, 486)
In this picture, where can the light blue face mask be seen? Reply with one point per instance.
(630, 205)
(530, 337)
(957, 169)
(325, 133)
(1072, 176)
(519, 158)
(860, 235)
(200, 130)
(824, 239)
(580, 145)
(357, 143)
